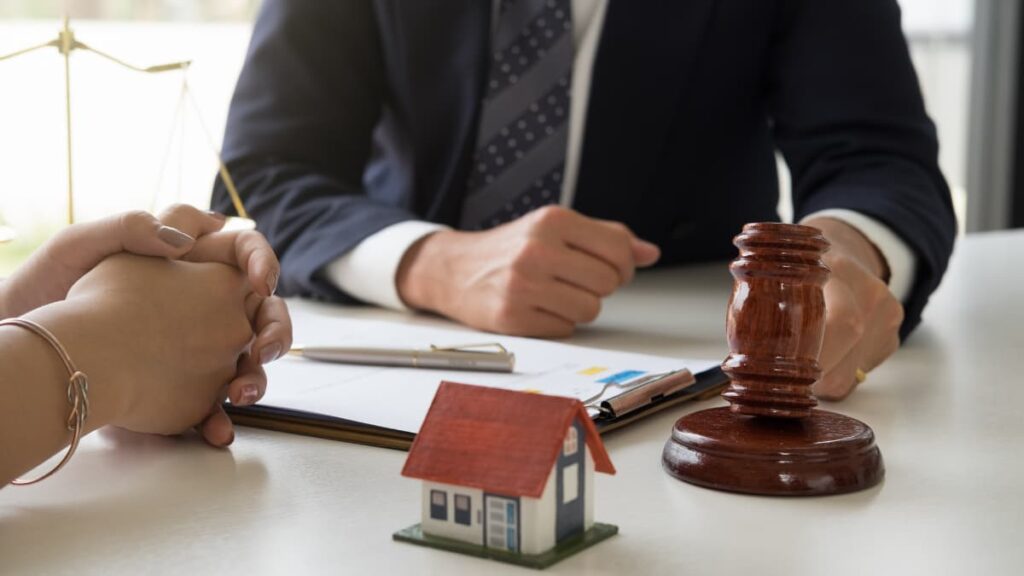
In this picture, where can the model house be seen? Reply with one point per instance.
(506, 470)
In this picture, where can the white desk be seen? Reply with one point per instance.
(947, 411)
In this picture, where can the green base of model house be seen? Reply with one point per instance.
(414, 535)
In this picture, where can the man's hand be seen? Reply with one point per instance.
(862, 316)
(539, 275)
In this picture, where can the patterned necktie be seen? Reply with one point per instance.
(524, 121)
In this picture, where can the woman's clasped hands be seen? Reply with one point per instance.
(167, 316)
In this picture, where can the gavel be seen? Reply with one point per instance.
(771, 439)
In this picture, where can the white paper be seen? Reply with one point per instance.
(398, 398)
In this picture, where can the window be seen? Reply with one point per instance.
(133, 147)
(140, 10)
(571, 444)
(570, 483)
(439, 505)
(462, 509)
(940, 36)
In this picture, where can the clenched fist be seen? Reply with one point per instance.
(540, 275)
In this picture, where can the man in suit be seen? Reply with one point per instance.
(509, 163)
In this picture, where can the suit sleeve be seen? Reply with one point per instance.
(299, 136)
(849, 118)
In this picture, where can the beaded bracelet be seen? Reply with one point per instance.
(78, 394)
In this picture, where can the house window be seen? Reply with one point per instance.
(439, 505)
(572, 442)
(570, 483)
(462, 509)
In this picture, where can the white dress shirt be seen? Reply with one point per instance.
(368, 271)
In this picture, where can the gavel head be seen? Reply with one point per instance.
(775, 320)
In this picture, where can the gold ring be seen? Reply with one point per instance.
(860, 375)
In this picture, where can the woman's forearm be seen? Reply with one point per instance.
(33, 387)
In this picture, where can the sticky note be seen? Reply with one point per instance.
(592, 370)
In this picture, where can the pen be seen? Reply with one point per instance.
(451, 358)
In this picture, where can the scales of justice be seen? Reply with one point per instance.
(66, 42)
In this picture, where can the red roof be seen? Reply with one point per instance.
(497, 440)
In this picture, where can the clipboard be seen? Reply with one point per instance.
(645, 399)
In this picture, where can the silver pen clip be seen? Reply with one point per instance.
(495, 348)
(475, 356)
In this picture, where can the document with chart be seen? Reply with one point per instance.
(397, 398)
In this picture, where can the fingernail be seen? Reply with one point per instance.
(174, 237)
(249, 394)
(269, 353)
(216, 215)
(272, 282)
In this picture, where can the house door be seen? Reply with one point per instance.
(569, 485)
(502, 525)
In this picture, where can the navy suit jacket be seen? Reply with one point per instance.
(352, 115)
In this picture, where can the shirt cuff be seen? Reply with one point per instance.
(901, 260)
(367, 272)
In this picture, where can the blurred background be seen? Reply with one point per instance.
(138, 144)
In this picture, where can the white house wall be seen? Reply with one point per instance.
(474, 533)
(538, 516)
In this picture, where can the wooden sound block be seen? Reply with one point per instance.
(823, 453)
